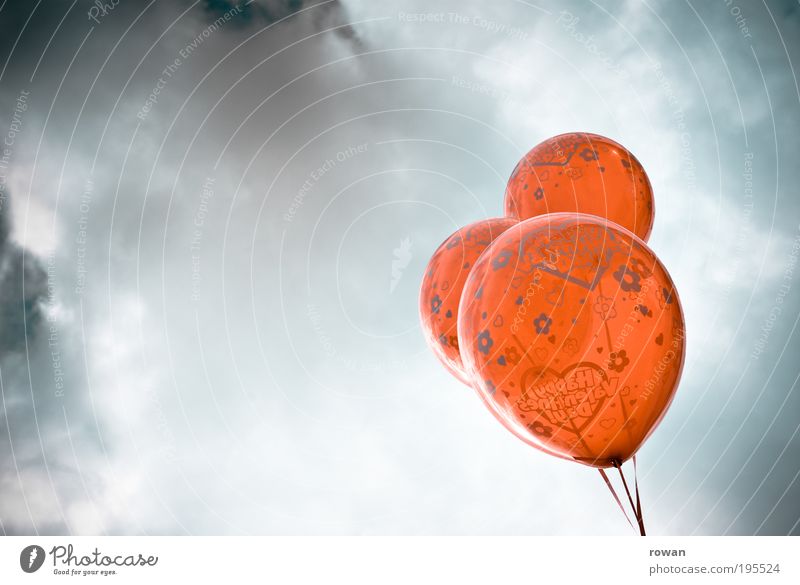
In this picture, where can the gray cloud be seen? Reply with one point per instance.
(22, 290)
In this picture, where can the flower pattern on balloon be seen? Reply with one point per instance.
(570, 346)
(501, 260)
(512, 355)
(542, 324)
(588, 154)
(538, 194)
(539, 428)
(573, 173)
(436, 304)
(454, 341)
(629, 281)
(604, 306)
(485, 342)
(617, 360)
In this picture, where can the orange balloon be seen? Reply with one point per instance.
(584, 173)
(573, 333)
(442, 285)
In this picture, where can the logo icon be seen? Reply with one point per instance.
(31, 558)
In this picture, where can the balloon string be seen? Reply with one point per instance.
(636, 509)
(638, 501)
(614, 493)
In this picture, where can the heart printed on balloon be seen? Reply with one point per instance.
(571, 398)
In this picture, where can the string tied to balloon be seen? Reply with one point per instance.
(635, 506)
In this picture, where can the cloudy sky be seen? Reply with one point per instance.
(214, 219)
